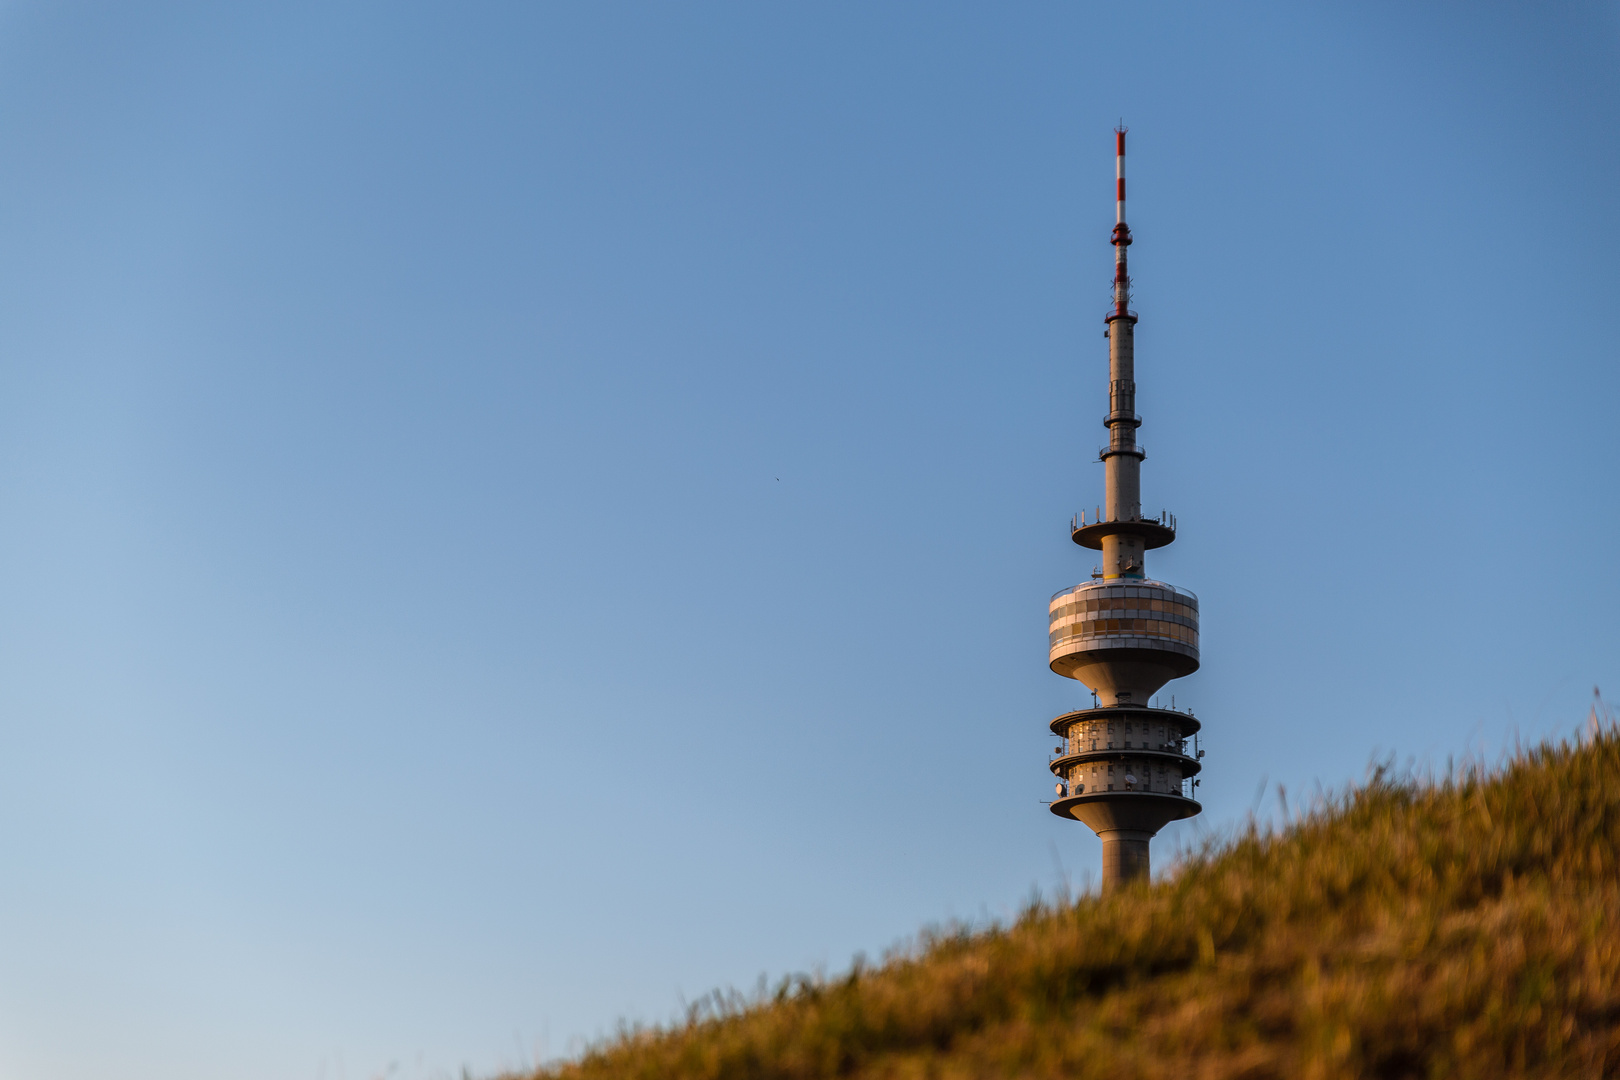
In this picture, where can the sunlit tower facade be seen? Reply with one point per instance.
(1126, 766)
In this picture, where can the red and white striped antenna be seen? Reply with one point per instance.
(1119, 175)
(1122, 232)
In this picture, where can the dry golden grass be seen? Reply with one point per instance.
(1463, 927)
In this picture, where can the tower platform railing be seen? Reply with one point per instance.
(1082, 519)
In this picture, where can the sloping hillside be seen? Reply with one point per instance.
(1468, 927)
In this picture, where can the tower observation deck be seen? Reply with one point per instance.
(1124, 767)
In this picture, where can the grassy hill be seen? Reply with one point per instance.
(1463, 927)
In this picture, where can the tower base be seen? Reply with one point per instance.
(1124, 858)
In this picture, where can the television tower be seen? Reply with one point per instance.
(1124, 766)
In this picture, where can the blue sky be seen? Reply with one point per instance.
(512, 516)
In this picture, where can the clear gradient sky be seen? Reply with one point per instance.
(512, 515)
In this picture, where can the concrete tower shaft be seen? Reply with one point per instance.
(1124, 767)
(1123, 552)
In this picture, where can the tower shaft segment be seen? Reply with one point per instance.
(1123, 767)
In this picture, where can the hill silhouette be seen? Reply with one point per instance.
(1458, 926)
